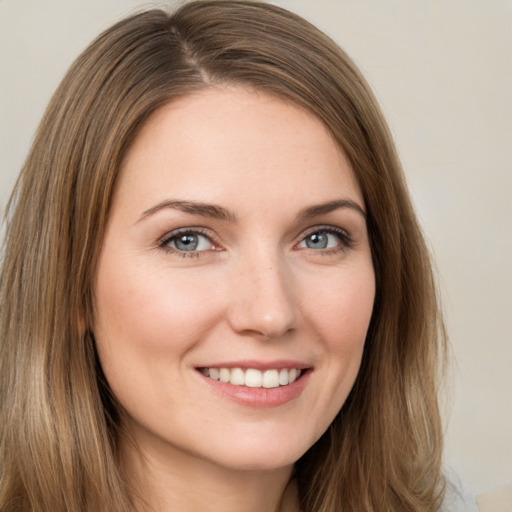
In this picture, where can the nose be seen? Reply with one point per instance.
(263, 299)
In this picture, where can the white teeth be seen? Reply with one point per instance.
(271, 379)
(253, 378)
(224, 375)
(237, 377)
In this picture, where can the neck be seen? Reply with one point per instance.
(170, 480)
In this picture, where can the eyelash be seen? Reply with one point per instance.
(346, 241)
(174, 235)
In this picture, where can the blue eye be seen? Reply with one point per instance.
(324, 239)
(188, 241)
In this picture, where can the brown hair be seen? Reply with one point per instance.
(58, 422)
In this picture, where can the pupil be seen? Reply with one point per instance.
(317, 240)
(187, 242)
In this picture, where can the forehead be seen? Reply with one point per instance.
(230, 142)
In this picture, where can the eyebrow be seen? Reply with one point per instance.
(330, 206)
(192, 207)
(220, 213)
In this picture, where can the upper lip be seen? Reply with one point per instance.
(259, 365)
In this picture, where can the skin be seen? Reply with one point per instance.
(255, 289)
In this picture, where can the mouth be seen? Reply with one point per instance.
(253, 377)
(258, 384)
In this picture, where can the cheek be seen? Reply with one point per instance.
(146, 309)
(343, 316)
(343, 313)
(145, 326)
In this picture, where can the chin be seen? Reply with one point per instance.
(261, 454)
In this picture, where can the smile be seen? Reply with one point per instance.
(252, 377)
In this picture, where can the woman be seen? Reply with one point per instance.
(215, 292)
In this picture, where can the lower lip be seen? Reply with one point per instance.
(259, 397)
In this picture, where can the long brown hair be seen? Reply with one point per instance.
(58, 421)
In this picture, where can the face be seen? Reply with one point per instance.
(235, 283)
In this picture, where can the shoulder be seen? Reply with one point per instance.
(496, 501)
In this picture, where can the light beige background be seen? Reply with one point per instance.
(442, 70)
